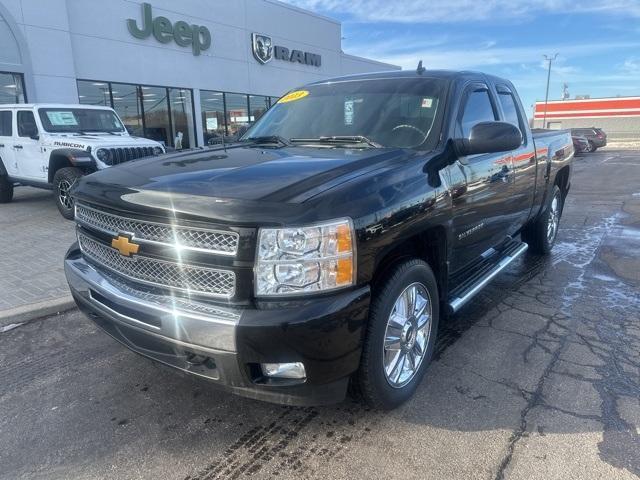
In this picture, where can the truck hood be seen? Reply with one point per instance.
(83, 142)
(246, 173)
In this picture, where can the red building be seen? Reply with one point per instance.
(619, 117)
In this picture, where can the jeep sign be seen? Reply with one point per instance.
(196, 36)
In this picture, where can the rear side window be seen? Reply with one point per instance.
(5, 124)
(478, 108)
(26, 123)
(511, 112)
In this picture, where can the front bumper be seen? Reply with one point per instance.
(226, 344)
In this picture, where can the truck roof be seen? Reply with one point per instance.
(53, 105)
(444, 74)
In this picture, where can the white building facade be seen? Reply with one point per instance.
(179, 71)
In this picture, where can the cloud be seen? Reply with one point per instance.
(631, 66)
(460, 11)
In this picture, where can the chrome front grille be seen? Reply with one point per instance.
(213, 241)
(178, 276)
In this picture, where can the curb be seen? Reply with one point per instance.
(33, 311)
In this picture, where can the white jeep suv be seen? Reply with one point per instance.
(51, 146)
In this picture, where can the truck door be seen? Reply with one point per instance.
(27, 149)
(6, 141)
(480, 189)
(524, 159)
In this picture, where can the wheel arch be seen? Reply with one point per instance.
(69, 157)
(429, 245)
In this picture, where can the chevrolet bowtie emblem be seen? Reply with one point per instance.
(125, 246)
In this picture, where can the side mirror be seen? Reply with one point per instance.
(489, 137)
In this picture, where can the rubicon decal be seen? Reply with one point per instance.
(69, 145)
(264, 51)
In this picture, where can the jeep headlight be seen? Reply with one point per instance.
(298, 260)
(157, 150)
(104, 156)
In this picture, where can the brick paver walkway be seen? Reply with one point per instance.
(33, 238)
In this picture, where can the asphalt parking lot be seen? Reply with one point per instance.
(538, 377)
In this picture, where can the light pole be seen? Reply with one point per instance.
(549, 59)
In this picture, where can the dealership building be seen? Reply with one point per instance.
(193, 70)
(619, 117)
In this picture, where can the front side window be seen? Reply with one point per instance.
(478, 108)
(26, 124)
(398, 112)
(5, 123)
(79, 120)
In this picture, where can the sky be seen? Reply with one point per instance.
(597, 41)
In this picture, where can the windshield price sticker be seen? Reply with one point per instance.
(293, 96)
(62, 118)
(427, 102)
(348, 112)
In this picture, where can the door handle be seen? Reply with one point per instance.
(17, 146)
(1, 145)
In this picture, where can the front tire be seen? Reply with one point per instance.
(541, 235)
(401, 334)
(6, 189)
(63, 180)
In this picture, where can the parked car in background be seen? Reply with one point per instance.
(595, 136)
(52, 145)
(580, 144)
(325, 246)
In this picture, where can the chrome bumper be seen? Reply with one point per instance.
(176, 320)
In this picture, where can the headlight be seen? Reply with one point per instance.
(157, 150)
(307, 259)
(103, 155)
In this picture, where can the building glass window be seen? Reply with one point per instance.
(212, 109)
(158, 113)
(12, 88)
(94, 93)
(126, 103)
(237, 114)
(257, 106)
(155, 106)
(183, 130)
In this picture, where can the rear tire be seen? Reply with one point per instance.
(63, 180)
(6, 189)
(403, 325)
(542, 234)
(593, 147)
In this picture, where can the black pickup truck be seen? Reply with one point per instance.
(323, 248)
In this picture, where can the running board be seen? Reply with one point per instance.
(481, 273)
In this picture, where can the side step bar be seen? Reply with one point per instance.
(461, 295)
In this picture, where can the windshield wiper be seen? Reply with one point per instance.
(338, 139)
(267, 139)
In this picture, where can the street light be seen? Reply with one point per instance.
(549, 59)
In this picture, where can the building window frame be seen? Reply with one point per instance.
(20, 77)
(138, 87)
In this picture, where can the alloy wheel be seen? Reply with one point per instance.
(63, 193)
(407, 335)
(554, 218)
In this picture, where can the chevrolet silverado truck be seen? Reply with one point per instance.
(321, 251)
(51, 146)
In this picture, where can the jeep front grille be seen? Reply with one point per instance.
(151, 271)
(124, 154)
(212, 241)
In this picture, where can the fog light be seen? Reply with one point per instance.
(284, 370)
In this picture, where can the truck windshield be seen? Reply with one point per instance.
(79, 120)
(386, 112)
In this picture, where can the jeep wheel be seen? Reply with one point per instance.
(6, 189)
(401, 334)
(63, 180)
